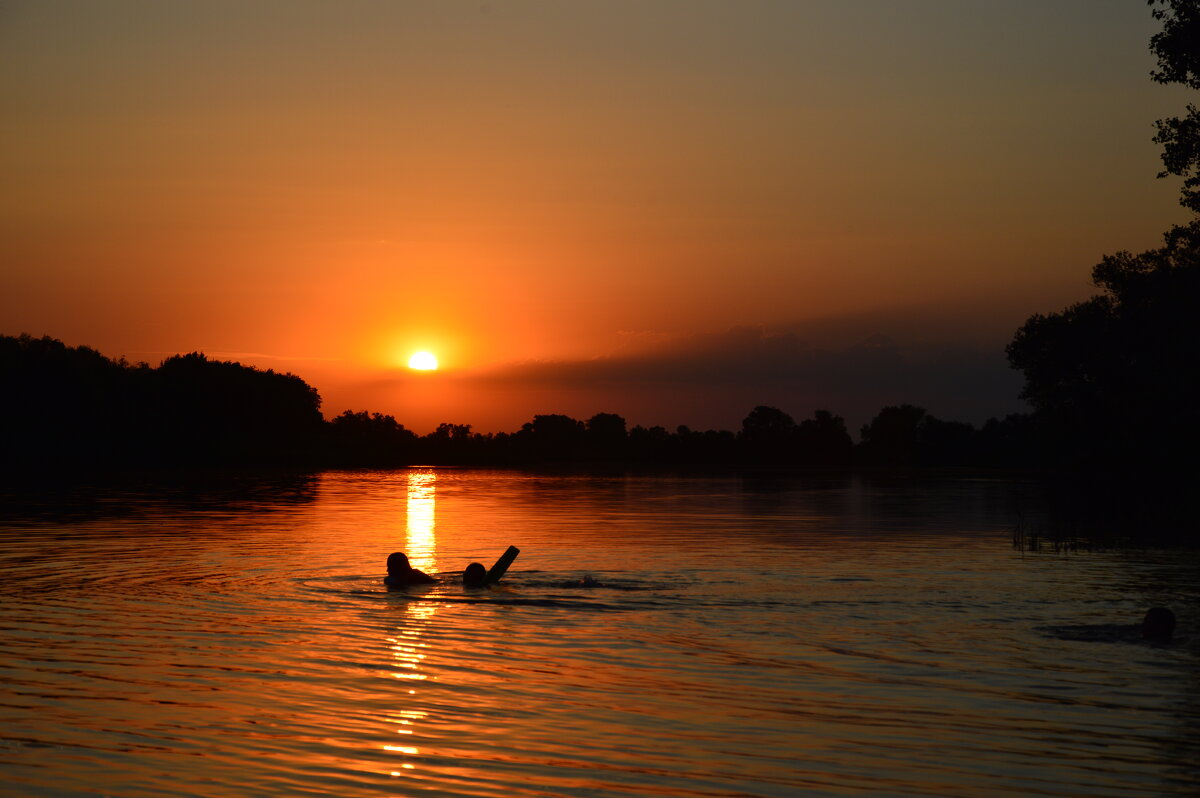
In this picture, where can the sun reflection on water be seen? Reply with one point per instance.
(420, 540)
(408, 661)
(407, 647)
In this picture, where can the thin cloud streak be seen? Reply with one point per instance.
(713, 380)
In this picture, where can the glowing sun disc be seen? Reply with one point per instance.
(423, 361)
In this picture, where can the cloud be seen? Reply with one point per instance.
(948, 359)
(720, 377)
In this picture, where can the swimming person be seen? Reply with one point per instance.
(475, 575)
(1159, 625)
(401, 574)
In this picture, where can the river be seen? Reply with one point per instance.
(658, 635)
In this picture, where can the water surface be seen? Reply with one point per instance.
(658, 635)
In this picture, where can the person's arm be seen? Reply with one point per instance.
(501, 566)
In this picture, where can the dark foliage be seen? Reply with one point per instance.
(1177, 48)
(824, 440)
(1115, 380)
(551, 438)
(61, 403)
(368, 439)
(893, 436)
(905, 435)
(768, 435)
(213, 411)
(70, 407)
(606, 437)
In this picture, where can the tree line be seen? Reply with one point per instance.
(66, 406)
(898, 436)
(63, 406)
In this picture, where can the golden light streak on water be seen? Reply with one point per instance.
(407, 647)
(404, 749)
(420, 539)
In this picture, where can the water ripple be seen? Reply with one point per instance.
(655, 638)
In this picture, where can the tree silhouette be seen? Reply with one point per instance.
(451, 432)
(824, 440)
(1177, 48)
(707, 446)
(453, 444)
(1117, 377)
(893, 436)
(71, 406)
(211, 411)
(947, 443)
(1115, 380)
(906, 436)
(374, 439)
(768, 435)
(765, 424)
(651, 444)
(59, 404)
(606, 436)
(552, 437)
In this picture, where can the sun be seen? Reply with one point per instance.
(423, 361)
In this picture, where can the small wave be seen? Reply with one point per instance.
(1096, 633)
(370, 588)
(511, 601)
(598, 581)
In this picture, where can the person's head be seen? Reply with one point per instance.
(1159, 624)
(397, 563)
(475, 575)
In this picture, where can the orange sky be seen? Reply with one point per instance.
(527, 188)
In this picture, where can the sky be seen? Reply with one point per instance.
(674, 210)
